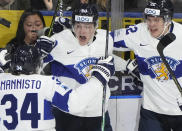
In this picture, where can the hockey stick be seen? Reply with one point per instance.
(165, 41)
(107, 28)
(106, 55)
(58, 8)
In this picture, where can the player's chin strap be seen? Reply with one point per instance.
(166, 25)
(91, 40)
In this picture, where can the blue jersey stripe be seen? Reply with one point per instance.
(61, 101)
(47, 110)
(69, 71)
(120, 44)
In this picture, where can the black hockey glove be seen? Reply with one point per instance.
(103, 70)
(61, 24)
(45, 45)
(132, 68)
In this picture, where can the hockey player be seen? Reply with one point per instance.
(161, 109)
(77, 49)
(26, 98)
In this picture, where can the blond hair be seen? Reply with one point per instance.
(102, 3)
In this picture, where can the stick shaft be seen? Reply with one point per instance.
(106, 55)
(107, 29)
(171, 72)
(59, 2)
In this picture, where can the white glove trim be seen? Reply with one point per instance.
(3, 53)
(132, 65)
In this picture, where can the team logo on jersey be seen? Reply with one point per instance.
(85, 65)
(158, 67)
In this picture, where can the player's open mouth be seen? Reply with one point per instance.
(153, 30)
(83, 38)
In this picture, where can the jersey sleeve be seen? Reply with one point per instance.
(81, 97)
(125, 39)
(76, 100)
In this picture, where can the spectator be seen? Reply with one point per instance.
(42, 4)
(34, 4)
(71, 5)
(75, 4)
(101, 5)
(30, 21)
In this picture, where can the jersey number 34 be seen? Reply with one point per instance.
(30, 99)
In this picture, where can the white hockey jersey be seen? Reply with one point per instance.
(160, 92)
(73, 61)
(26, 100)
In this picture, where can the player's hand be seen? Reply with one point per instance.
(3, 57)
(60, 24)
(103, 70)
(45, 45)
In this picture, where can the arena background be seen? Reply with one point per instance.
(126, 99)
